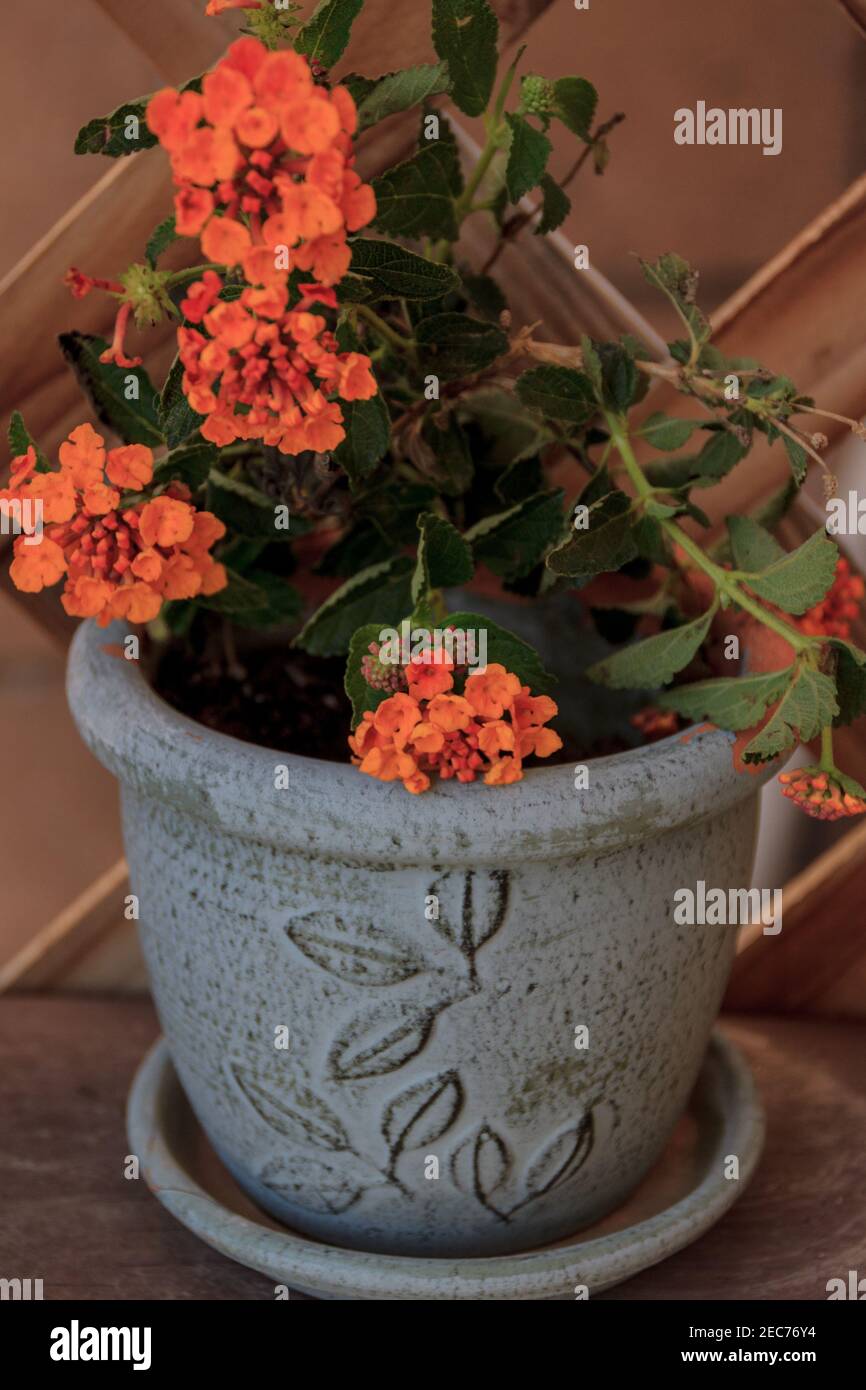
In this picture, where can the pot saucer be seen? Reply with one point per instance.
(685, 1193)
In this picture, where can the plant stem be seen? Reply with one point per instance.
(827, 762)
(383, 329)
(191, 272)
(725, 582)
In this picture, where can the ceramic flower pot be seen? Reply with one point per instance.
(429, 961)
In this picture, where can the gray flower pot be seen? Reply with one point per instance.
(432, 1098)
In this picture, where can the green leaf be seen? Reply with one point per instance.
(561, 393)
(806, 706)
(455, 345)
(850, 680)
(390, 271)
(555, 207)
(362, 545)
(239, 600)
(20, 440)
(380, 594)
(326, 32)
(245, 510)
(528, 154)
(281, 603)
(160, 238)
(675, 277)
(464, 35)
(176, 417)
(664, 433)
(797, 457)
(107, 135)
(752, 548)
(399, 91)
(454, 468)
(414, 199)
(604, 546)
(576, 100)
(511, 543)
(134, 421)
(619, 377)
(444, 558)
(592, 366)
(520, 480)
(733, 702)
(507, 649)
(191, 463)
(368, 435)
(362, 695)
(508, 431)
(485, 295)
(654, 662)
(800, 580)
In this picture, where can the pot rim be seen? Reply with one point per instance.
(330, 810)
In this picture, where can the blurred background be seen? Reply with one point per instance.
(728, 210)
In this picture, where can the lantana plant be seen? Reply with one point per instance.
(351, 404)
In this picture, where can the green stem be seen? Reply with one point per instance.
(827, 762)
(725, 582)
(191, 272)
(383, 329)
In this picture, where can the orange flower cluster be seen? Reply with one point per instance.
(429, 729)
(832, 617)
(263, 141)
(119, 562)
(265, 371)
(819, 794)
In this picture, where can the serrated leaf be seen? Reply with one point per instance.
(453, 467)
(512, 542)
(555, 207)
(464, 35)
(160, 238)
(380, 594)
(605, 545)
(245, 510)
(361, 953)
(528, 153)
(561, 393)
(20, 440)
(361, 545)
(107, 135)
(676, 278)
(576, 100)
(455, 345)
(507, 649)
(399, 91)
(619, 377)
(664, 433)
(362, 695)
(850, 680)
(485, 294)
(191, 464)
(294, 1111)
(282, 603)
(422, 1113)
(177, 419)
(444, 558)
(326, 33)
(239, 599)
(508, 431)
(752, 547)
(806, 706)
(415, 199)
(390, 271)
(520, 480)
(797, 457)
(134, 421)
(732, 702)
(368, 436)
(800, 579)
(654, 662)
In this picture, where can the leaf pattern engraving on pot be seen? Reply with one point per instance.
(295, 1111)
(321, 1187)
(559, 1159)
(472, 912)
(381, 1040)
(479, 1166)
(361, 954)
(421, 1114)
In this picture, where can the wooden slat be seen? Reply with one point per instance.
(822, 942)
(856, 12)
(176, 35)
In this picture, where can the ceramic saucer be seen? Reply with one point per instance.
(684, 1194)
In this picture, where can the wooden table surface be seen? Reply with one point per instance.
(68, 1216)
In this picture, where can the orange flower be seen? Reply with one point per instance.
(821, 794)
(449, 712)
(492, 691)
(503, 772)
(165, 522)
(396, 717)
(117, 563)
(430, 675)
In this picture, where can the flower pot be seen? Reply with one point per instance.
(428, 961)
